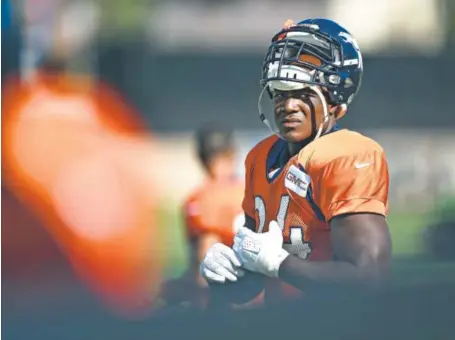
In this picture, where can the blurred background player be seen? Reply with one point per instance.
(316, 196)
(212, 212)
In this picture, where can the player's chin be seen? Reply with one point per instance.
(292, 135)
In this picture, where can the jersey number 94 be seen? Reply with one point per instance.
(294, 242)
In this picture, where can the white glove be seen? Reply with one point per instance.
(220, 263)
(239, 221)
(261, 253)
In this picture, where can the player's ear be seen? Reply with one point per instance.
(338, 111)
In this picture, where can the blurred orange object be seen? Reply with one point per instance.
(81, 160)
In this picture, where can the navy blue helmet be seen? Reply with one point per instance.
(315, 53)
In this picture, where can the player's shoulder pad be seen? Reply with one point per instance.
(337, 146)
(259, 150)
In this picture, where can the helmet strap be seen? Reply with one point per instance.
(325, 109)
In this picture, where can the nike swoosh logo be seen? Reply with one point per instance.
(273, 172)
(362, 165)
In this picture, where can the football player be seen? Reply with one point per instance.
(211, 213)
(316, 196)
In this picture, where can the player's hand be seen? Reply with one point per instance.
(261, 253)
(220, 264)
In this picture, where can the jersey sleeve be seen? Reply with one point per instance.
(248, 197)
(354, 184)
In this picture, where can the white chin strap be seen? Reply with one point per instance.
(316, 89)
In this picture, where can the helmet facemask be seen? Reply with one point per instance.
(302, 57)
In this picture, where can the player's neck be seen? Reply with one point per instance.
(220, 178)
(294, 148)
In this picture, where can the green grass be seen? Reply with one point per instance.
(174, 248)
(406, 231)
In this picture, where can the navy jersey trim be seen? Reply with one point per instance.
(273, 159)
(309, 197)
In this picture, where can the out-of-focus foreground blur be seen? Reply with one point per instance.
(100, 100)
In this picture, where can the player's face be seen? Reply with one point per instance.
(222, 165)
(297, 114)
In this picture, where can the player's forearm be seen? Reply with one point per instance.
(304, 274)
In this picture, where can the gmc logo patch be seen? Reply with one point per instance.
(296, 180)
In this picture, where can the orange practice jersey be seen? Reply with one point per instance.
(216, 207)
(341, 172)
